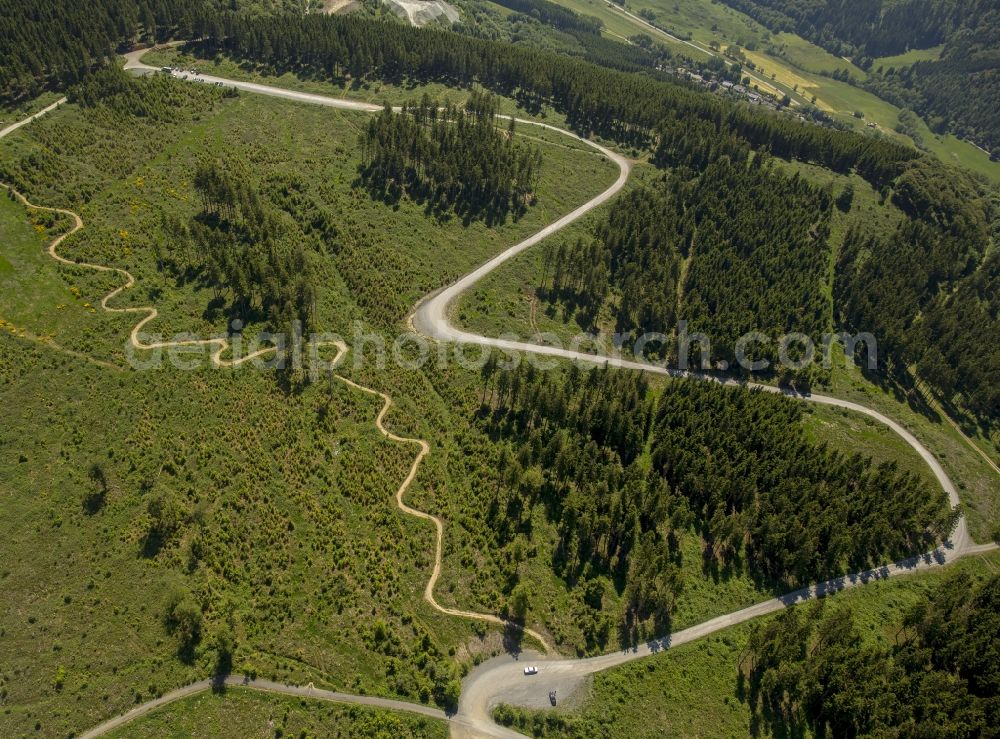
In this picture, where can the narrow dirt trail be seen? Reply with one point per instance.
(222, 345)
(425, 449)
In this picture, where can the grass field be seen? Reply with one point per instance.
(239, 713)
(907, 58)
(616, 25)
(852, 433)
(691, 690)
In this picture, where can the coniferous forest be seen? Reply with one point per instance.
(628, 108)
(623, 473)
(815, 671)
(929, 290)
(755, 244)
(680, 125)
(50, 44)
(451, 157)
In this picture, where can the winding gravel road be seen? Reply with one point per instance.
(501, 680)
(14, 126)
(265, 686)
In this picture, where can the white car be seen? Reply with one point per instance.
(530, 670)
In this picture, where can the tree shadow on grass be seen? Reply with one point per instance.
(513, 638)
(94, 502)
(153, 542)
(901, 388)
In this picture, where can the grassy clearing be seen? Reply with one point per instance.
(852, 433)
(809, 57)
(619, 26)
(910, 57)
(691, 690)
(239, 713)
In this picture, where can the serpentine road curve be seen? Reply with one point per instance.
(501, 680)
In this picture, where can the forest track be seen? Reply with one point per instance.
(501, 679)
(425, 449)
(265, 686)
(16, 125)
(221, 344)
